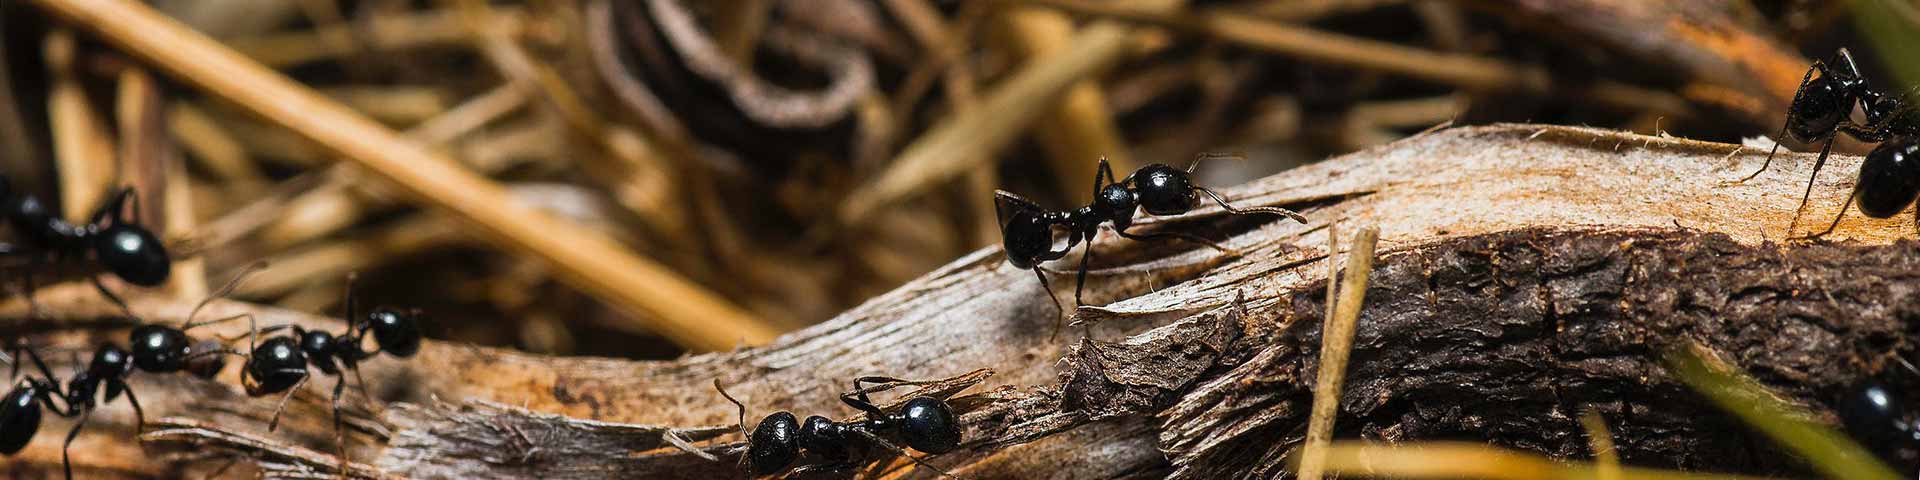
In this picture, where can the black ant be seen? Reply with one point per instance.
(1026, 229)
(120, 245)
(1823, 107)
(156, 349)
(279, 364)
(1882, 420)
(924, 423)
(20, 410)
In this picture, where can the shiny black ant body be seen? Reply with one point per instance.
(1883, 421)
(156, 349)
(1823, 108)
(924, 423)
(20, 409)
(110, 237)
(280, 364)
(1027, 230)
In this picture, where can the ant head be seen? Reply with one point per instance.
(276, 366)
(929, 425)
(19, 417)
(397, 332)
(774, 444)
(1164, 190)
(160, 348)
(110, 361)
(1027, 237)
(133, 254)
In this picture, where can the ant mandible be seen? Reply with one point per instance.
(1027, 230)
(924, 423)
(1822, 108)
(120, 245)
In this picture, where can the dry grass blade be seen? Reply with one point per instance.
(1335, 347)
(1830, 452)
(1472, 460)
(969, 138)
(1080, 129)
(81, 146)
(1606, 461)
(441, 28)
(640, 288)
(1466, 71)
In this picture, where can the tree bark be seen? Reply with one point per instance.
(1526, 274)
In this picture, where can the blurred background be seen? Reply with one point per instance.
(787, 159)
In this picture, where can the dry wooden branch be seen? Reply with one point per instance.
(1526, 274)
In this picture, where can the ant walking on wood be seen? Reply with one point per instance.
(1822, 108)
(1027, 230)
(156, 349)
(119, 245)
(924, 423)
(279, 364)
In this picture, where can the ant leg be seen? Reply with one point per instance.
(1080, 278)
(1051, 299)
(102, 287)
(46, 373)
(65, 457)
(1797, 95)
(364, 395)
(876, 440)
(139, 416)
(1296, 216)
(1159, 236)
(1836, 218)
(282, 406)
(339, 432)
(1818, 163)
(110, 209)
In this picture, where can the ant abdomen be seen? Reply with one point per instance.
(774, 444)
(930, 425)
(1889, 178)
(133, 254)
(1028, 237)
(1878, 417)
(19, 418)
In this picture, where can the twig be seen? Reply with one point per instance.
(1336, 345)
(384, 33)
(81, 146)
(1606, 461)
(963, 140)
(1079, 130)
(1465, 71)
(587, 260)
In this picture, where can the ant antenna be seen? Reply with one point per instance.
(902, 452)
(1207, 155)
(1242, 211)
(1909, 365)
(742, 407)
(224, 290)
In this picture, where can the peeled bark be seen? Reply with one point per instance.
(1526, 273)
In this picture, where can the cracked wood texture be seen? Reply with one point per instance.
(1526, 274)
